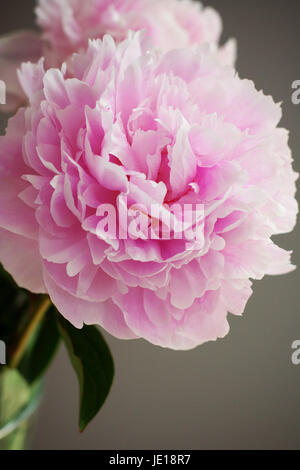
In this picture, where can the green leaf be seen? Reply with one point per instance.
(17, 307)
(41, 349)
(93, 363)
(5, 276)
(14, 310)
(13, 299)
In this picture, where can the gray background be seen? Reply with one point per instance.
(239, 393)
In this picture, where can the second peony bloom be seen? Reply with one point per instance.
(67, 25)
(122, 125)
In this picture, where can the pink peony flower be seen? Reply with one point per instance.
(123, 126)
(14, 48)
(67, 25)
(171, 24)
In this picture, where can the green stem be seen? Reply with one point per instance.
(29, 331)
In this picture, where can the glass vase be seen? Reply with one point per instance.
(19, 403)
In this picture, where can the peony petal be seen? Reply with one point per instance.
(79, 311)
(20, 257)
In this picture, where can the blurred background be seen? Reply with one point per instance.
(242, 392)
